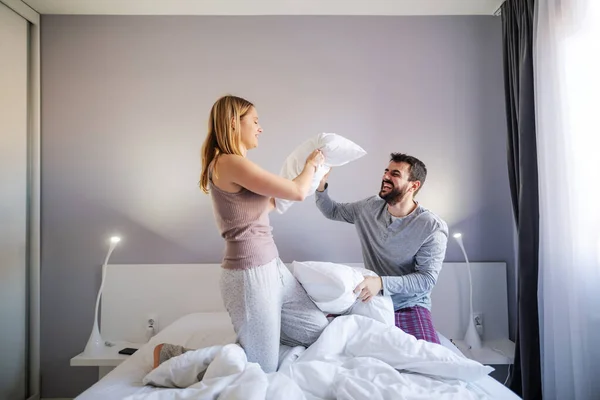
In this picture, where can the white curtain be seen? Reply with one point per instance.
(567, 94)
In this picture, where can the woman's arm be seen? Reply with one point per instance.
(243, 172)
(272, 204)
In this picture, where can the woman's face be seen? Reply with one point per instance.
(250, 129)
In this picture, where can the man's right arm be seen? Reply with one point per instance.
(345, 212)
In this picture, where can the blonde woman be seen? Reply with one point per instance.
(267, 305)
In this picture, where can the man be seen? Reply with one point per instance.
(403, 242)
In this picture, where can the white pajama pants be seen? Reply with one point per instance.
(268, 306)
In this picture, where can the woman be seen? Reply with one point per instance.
(267, 305)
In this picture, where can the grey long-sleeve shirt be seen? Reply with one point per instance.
(407, 253)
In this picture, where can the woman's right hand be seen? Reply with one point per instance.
(315, 159)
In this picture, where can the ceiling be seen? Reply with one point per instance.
(266, 7)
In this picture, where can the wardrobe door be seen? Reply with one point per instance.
(13, 204)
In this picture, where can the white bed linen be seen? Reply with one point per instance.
(208, 329)
(494, 389)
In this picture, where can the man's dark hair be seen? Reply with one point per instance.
(418, 171)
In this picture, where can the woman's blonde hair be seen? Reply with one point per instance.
(223, 135)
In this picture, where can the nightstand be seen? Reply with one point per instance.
(498, 354)
(107, 360)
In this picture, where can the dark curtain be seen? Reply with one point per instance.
(517, 42)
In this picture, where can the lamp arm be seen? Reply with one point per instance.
(110, 250)
(462, 247)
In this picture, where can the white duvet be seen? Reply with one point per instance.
(355, 358)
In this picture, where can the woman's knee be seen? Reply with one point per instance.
(263, 352)
(317, 330)
(310, 330)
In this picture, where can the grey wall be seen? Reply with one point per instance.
(124, 109)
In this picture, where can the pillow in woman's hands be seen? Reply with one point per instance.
(337, 150)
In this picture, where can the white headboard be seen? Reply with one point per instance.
(134, 292)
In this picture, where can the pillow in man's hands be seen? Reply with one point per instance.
(379, 307)
(331, 287)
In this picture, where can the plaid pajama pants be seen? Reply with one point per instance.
(417, 321)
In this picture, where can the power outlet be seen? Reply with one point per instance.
(478, 321)
(152, 322)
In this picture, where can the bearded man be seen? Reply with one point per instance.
(402, 242)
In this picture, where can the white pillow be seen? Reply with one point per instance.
(380, 308)
(331, 287)
(337, 150)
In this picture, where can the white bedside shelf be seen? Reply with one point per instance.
(493, 352)
(106, 360)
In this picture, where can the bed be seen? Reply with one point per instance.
(186, 304)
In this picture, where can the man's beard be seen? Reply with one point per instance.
(394, 195)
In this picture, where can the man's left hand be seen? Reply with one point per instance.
(368, 288)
